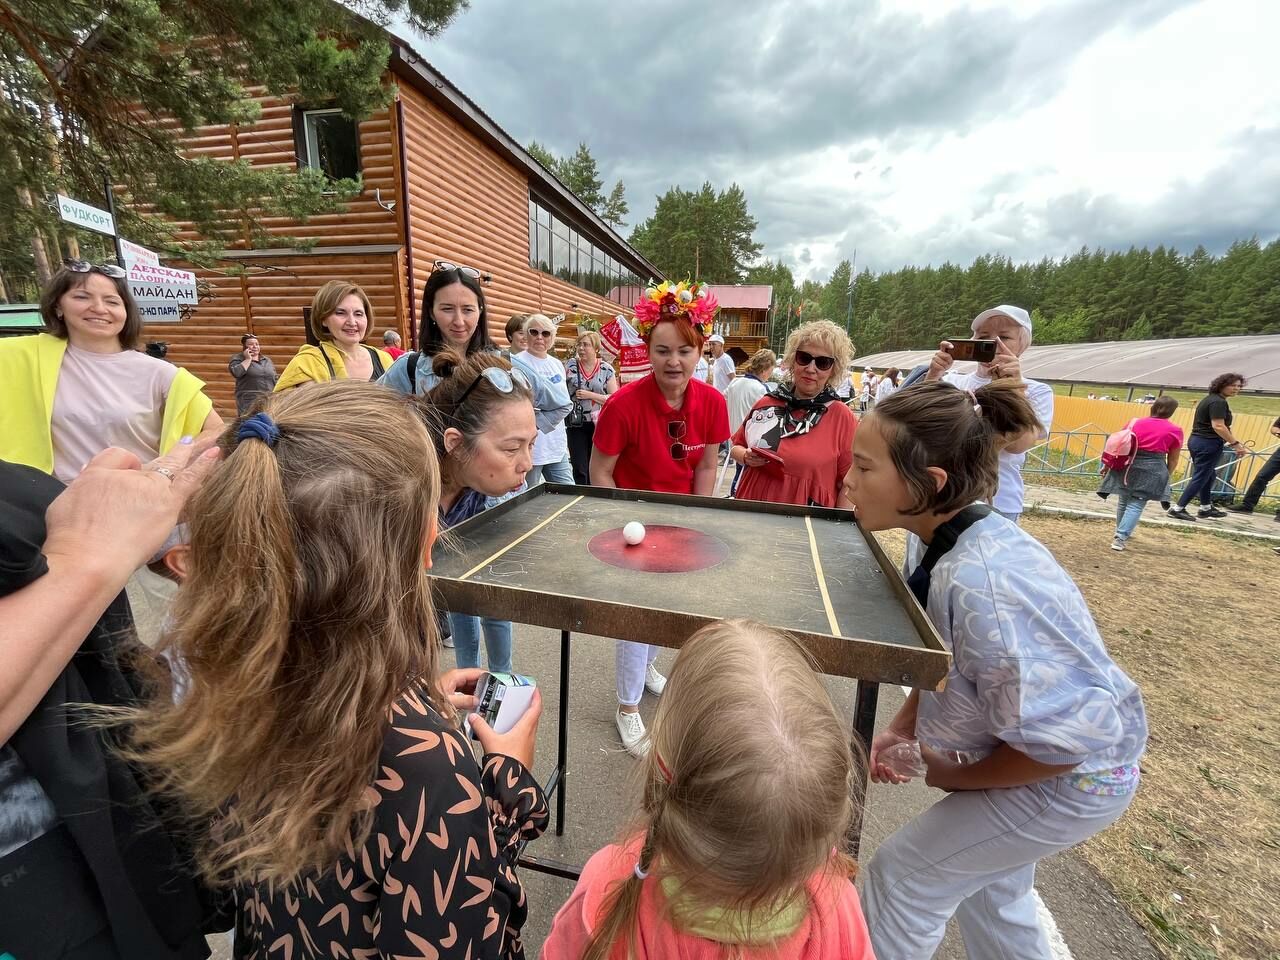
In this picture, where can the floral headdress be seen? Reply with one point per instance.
(694, 302)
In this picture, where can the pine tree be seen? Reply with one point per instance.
(702, 235)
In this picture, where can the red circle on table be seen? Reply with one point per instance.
(664, 549)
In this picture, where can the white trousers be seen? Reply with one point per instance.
(632, 659)
(973, 854)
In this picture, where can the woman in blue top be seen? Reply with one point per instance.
(480, 415)
(454, 318)
(1037, 733)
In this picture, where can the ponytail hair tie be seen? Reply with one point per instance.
(259, 427)
(640, 874)
(977, 407)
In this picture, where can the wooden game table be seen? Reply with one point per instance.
(554, 557)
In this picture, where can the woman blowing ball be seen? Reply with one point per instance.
(654, 434)
(1049, 728)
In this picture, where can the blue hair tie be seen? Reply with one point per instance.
(259, 427)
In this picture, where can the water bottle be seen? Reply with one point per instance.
(904, 759)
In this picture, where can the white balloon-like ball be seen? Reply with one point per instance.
(633, 532)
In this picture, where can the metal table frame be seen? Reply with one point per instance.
(877, 662)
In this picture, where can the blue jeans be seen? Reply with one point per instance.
(1128, 510)
(1204, 459)
(466, 641)
(561, 472)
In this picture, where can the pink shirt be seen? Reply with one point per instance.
(833, 929)
(107, 400)
(1158, 435)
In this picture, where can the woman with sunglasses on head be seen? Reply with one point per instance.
(660, 433)
(480, 416)
(797, 443)
(340, 319)
(82, 386)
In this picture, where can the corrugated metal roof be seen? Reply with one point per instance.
(743, 296)
(1186, 364)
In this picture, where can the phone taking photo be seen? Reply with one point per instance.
(984, 351)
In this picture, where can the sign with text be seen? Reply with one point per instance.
(159, 311)
(148, 282)
(83, 215)
(136, 253)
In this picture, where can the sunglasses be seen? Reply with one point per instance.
(106, 269)
(676, 430)
(804, 358)
(503, 381)
(541, 333)
(471, 272)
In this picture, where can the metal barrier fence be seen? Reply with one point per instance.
(1078, 453)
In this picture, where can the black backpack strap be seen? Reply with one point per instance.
(411, 368)
(333, 374)
(944, 539)
(378, 369)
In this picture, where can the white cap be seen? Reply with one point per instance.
(1016, 314)
(715, 338)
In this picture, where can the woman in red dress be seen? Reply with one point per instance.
(660, 433)
(797, 442)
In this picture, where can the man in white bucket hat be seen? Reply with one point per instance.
(1010, 328)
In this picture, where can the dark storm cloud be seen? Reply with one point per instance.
(677, 93)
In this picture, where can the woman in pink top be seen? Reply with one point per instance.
(747, 800)
(1147, 477)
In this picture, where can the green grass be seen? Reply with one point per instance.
(1266, 406)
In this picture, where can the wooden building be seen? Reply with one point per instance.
(441, 180)
(743, 320)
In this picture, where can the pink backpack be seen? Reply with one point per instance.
(1119, 450)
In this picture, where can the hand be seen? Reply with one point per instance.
(941, 361)
(753, 459)
(942, 769)
(1239, 448)
(120, 512)
(518, 743)
(459, 687)
(880, 773)
(1006, 363)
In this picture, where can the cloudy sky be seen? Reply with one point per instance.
(916, 131)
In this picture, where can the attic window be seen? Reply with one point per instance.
(330, 143)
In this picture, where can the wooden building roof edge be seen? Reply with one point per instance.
(409, 64)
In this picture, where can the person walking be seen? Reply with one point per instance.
(1210, 434)
(1158, 446)
(255, 375)
(888, 385)
(1264, 476)
(591, 382)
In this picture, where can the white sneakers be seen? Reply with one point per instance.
(1117, 544)
(630, 725)
(654, 682)
(634, 736)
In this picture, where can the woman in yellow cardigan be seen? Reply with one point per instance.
(80, 387)
(340, 318)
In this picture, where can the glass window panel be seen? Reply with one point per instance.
(332, 144)
(544, 216)
(560, 228)
(544, 249)
(560, 256)
(533, 242)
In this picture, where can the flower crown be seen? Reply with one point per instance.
(668, 301)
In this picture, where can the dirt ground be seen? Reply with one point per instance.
(1193, 618)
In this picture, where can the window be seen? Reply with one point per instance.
(560, 249)
(329, 142)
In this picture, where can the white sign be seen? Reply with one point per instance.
(151, 273)
(158, 311)
(83, 215)
(162, 283)
(136, 253)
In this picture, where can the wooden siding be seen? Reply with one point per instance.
(470, 206)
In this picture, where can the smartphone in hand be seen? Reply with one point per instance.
(769, 455)
(984, 351)
(503, 699)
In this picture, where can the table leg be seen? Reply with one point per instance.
(864, 726)
(562, 739)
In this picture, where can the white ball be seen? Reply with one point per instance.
(633, 532)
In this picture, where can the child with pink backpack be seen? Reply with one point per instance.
(1138, 462)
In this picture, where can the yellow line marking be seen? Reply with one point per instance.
(822, 579)
(519, 540)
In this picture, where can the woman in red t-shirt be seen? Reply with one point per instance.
(797, 442)
(1147, 477)
(660, 433)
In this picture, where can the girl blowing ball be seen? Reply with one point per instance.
(1037, 734)
(747, 797)
(315, 735)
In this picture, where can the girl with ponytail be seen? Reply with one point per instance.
(749, 790)
(316, 749)
(1036, 734)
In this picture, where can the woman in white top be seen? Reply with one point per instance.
(888, 385)
(744, 391)
(82, 386)
(551, 452)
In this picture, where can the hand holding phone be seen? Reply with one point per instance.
(519, 742)
(983, 351)
(769, 455)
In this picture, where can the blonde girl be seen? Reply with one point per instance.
(748, 794)
(316, 734)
